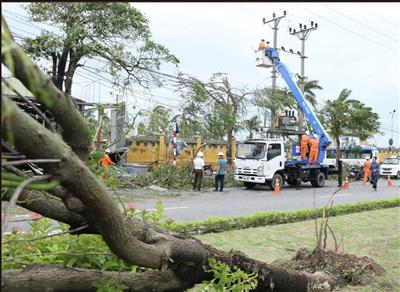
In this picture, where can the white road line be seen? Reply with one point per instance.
(339, 195)
(170, 208)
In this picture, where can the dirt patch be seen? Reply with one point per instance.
(345, 269)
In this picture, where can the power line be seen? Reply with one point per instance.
(345, 28)
(377, 15)
(359, 22)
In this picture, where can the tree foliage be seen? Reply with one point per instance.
(252, 125)
(349, 117)
(216, 104)
(115, 32)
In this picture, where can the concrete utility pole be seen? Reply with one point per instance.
(302, 34)
(273, 23)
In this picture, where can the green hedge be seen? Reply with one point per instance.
(270, 218)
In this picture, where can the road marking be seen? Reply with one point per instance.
(339, 195)
(170, 208)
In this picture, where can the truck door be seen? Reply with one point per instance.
(275, 159)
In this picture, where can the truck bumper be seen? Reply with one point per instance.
(250, 178)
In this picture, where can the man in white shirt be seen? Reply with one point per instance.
(198, 166)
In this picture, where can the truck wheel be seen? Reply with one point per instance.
(280, 181)
(248, 185)
(320, 181)
(398, 175)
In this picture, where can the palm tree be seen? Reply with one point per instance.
(349, 116)
(251, 125)
(309, 87)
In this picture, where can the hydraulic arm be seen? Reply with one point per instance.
(324, 139)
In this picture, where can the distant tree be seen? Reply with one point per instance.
(271, 101)
(159, 121)
(344, 116)
(251, 125)
(113, 31)
(309, 87)
(216, 103)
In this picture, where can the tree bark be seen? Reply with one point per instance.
(338, 153)
(54, 278)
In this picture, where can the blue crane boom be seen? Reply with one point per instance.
(324, 139)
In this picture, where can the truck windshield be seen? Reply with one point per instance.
(251, 150)
(391, 161)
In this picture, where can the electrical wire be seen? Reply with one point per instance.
(349, 30)
(359, 22)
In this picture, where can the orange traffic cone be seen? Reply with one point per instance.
(277, 188)
(389, 182)
(346, 184)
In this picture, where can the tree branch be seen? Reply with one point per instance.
(14, 199)
(36, 278)
(75, 130)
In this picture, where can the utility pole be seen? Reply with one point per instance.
(273, 23)
(302, 34)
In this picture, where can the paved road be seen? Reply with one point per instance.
(187, 206)
(239, 201)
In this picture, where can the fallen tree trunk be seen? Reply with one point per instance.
(53, 278)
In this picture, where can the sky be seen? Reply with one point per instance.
(356, 46)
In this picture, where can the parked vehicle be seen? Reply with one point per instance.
(356, 172)
(390, 167)
(351, 155)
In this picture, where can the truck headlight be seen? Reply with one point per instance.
(260, 169)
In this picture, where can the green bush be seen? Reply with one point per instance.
(211, 225)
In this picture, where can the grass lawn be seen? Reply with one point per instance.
(375, 234)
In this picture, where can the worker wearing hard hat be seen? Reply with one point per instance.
(105, 162)
(198, 167)
(263, 45)
(367, 172)
(305, 140)
(314, 143)
(220, 173)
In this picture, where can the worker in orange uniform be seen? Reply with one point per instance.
(262, 45)
(105, 162)
(305, 139)
(314, 143)
(367, 172)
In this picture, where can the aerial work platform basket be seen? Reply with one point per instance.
(262, 60)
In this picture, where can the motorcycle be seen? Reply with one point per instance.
(356, 172)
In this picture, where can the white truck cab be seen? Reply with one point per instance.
(258, 161)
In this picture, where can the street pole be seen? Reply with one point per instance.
(391, 141)
(302, 34)
(273, 23)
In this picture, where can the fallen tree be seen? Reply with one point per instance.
(82, 199)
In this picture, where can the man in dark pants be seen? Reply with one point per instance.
(340, 173)
(374, 172)
(220, 175)
(198, 167)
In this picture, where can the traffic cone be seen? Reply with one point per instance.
(389, 182)
(277, 188)
(346, 184)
